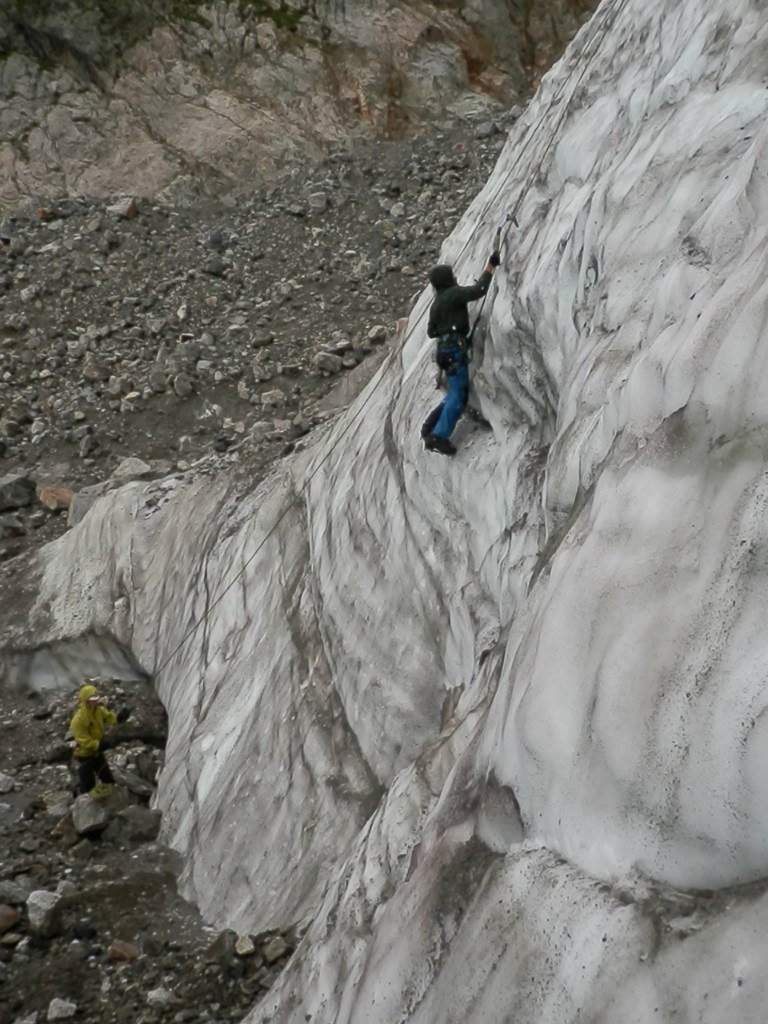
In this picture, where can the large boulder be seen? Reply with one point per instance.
(89, 816)
(139, 824)
(17, 490)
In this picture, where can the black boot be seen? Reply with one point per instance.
(439, 444)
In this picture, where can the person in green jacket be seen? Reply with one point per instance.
(88, 725)
(449, 326)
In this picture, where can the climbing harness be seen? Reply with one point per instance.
(451, 350)
(600, 30)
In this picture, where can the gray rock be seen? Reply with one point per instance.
(245, 946)
(56, 811)
(11, 525)
(182, 385)
(141, 824)
(188, 350)
(133, 783)
(214, 266)
(132, 402)
(158, 382)
(125, 209)
(485, 130)
(222, 949)
(262, 371)
(16, 322)
(273, 399)
(44, 912)
(88, 816)
(131, 469)
(82, 851)
(93, 369)
(147, 763)
(61, 1009)
(327, 361)
(162, 998)
(318, 202)
(88, 445)
(67, 890)
(17, 490)
(260, 430)
(55, 753)
(13, 893)
(77, 347)
(274, 948)
(213, 239)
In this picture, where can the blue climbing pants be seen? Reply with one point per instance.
(452, 406)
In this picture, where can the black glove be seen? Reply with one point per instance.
(123, 715)
(494, 259)
(105, 745)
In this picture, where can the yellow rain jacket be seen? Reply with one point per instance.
(88, 723)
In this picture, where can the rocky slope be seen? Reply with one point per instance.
(91, 926)
(102, 98)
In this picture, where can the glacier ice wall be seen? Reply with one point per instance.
(493, 728)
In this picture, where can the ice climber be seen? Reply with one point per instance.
(88, 726)
(449, 324)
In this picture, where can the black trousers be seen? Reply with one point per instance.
(91, 769)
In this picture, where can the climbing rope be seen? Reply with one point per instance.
(600, 30)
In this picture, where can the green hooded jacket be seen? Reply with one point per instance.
(448, 311)
(89, 723)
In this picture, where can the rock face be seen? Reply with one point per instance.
(137, 95)
(492, 727)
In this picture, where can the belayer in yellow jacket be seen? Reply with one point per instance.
(88, 726)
